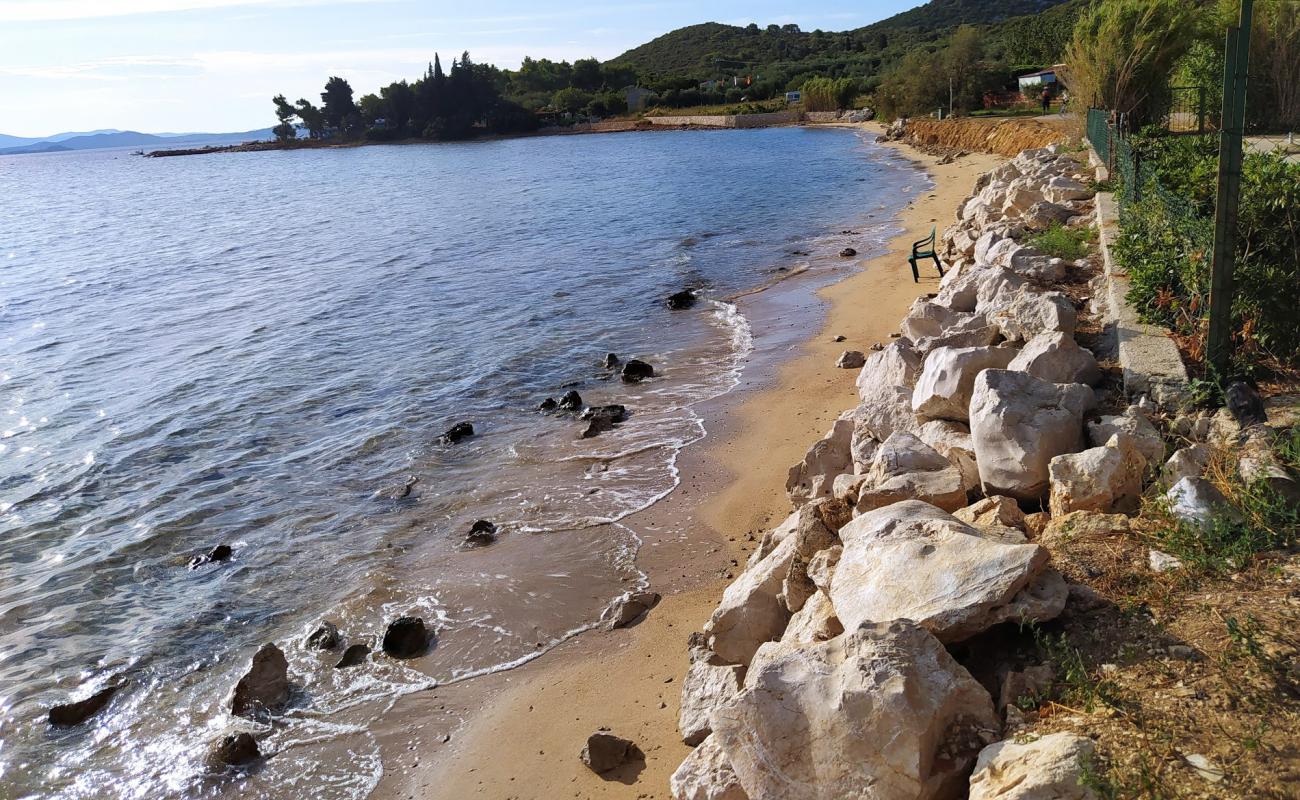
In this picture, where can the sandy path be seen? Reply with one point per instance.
(528, 726)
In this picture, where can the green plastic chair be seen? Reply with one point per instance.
(918, 253)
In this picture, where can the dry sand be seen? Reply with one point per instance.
(525, 728)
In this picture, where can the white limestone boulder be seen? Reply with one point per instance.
(1146, 437)
(1187, 462)
(706, 687)
(1019, 424)
(910, 560)
(947, 379)
(1028, 313)
(993, 513)
(953, 441)
(880, 711)
(907, 468)
(884, 411)
(751, 611)
(1103, 479)
(895, 364)
(1045, 768)
(996, 287)
(821, 567)
(814, 476)
(1196, 501)
(1062, 189)
(815, 622)
(1054, 356)
(706, 775)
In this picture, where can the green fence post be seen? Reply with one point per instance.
(1235, 72)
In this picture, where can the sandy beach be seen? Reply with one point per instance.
(524, 729)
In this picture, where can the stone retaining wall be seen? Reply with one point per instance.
(728, 120)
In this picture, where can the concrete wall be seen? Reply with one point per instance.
(729, 120)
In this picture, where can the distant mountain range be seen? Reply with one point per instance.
(97, 140)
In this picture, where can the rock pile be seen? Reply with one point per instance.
(824, 671)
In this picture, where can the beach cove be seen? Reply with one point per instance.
(524, 728)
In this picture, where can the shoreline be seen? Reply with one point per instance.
(525, 727)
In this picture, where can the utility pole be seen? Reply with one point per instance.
(1236, 68)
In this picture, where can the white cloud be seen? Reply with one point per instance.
(60, 10)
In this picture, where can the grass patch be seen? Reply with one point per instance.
(1059, 241)
(723, 109)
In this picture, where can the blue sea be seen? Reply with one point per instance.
(254, 349)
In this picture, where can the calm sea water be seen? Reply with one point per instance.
(244, 349)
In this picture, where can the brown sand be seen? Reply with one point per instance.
(524, 728)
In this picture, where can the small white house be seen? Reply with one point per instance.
(793, 97)
(1035, 81)
(637, 97)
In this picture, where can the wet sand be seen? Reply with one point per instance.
(517, 734)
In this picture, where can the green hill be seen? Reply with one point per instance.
(1018, 31)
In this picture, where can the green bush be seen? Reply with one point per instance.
(1059, 241)
(828, 94)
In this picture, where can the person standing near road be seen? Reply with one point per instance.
(1047, 99)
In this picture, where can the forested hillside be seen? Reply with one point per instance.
(1017, 31)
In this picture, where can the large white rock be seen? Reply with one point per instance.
(1047, 768)
(959, 290)
(882, 711)
(884, 411)
(944, 387)
(1019, 424)
(1029, 313)
(996, 287)
(706, 775)
(751, 611)
(1103, 479)
(815, 532)
(895, 364)
(815, 622)
(953, 441)
(931, 322)
(1062, 190)
(1197, 501)
(906, 468)
(1055, 357)
(706, 687)
(1146, 437)
(912, 561)
(1187, 462)
(814, 476)
(984, 244)
(994, 512)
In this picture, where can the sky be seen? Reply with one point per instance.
(213, 65)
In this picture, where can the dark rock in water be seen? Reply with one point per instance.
(611, 361)
(355, 654)
(848, 252)
(628, 609)
(1245, 404)
(548, 404)
(458, 432)
(602, 418)
(82, 710)
(406, 637)
(635, 371)
(325, 637)
(572, 401)
(682, 300)
(221, 552)
(798, 253)
(605, 752)
(265, 687)
(237, 749)
(401, 492)
(481, 533)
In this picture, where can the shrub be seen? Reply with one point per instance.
(828, 94)
(1124, 52)
(1059, 241)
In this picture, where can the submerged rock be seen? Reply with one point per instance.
(605, 752)
(571, 401)
(355, 654)
(236, 749)
(548, 404)
(602, 418)
(325, 637)
(265, 687)
(481, 533)
(635, 371)
(681, 300)
(406, 637)
(400, 492)
(458, 432)
(611, 361)
(82, 710)
(221, 552)
(848, 252)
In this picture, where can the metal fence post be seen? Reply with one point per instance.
(1235, 73)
